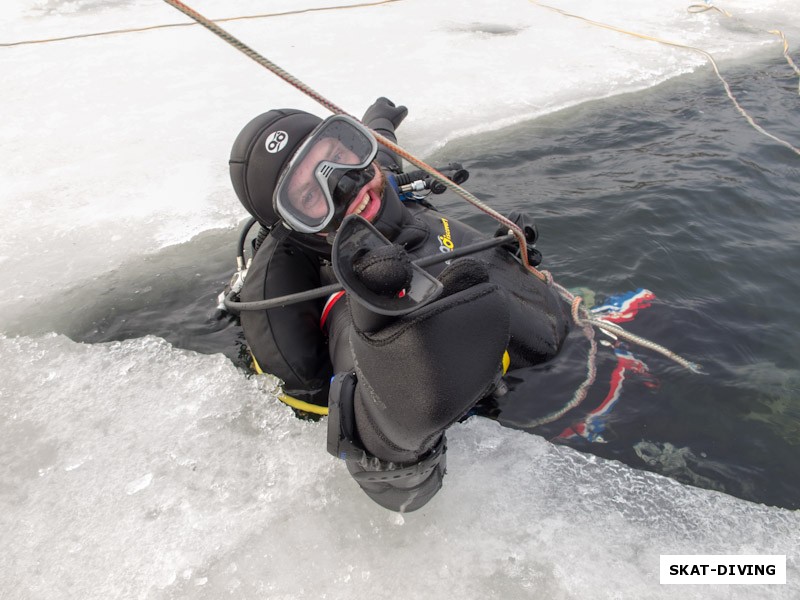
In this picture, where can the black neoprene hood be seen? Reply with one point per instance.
(259, 154)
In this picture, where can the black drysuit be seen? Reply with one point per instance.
(395, 384)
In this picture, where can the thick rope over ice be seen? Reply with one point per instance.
(512, 227)
(311, 93)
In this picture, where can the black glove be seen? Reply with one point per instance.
(385, 270)
(383, 117)
(383, 108)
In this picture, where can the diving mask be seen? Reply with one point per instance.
(325, 175)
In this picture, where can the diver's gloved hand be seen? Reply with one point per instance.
(383, 117)
(381, 109)
(385, 270)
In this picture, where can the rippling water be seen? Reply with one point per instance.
(668, 190)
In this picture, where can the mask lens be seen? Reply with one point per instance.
(305, 193)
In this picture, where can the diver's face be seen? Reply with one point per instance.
(307, 197)
(305, 193)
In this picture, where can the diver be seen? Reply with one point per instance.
(393, 381)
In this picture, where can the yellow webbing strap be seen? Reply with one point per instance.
(302, 405)
(291, 401)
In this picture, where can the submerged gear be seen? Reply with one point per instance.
(325, 175)
(261, 151)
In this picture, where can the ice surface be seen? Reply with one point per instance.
(135, 470)
(116, 146)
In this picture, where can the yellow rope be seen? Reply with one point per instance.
(706, 54)
(315, 409)
(698, 8)
(168, 25)
(788, 58)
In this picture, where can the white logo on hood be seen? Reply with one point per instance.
(276, 141)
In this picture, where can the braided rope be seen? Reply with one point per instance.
(261, 60)
(469, 197)
(310, 92)
(704, 53)
(700, 8)
(170, 25)
(583, 319)
(788, 58)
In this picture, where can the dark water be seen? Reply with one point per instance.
(668, 190)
